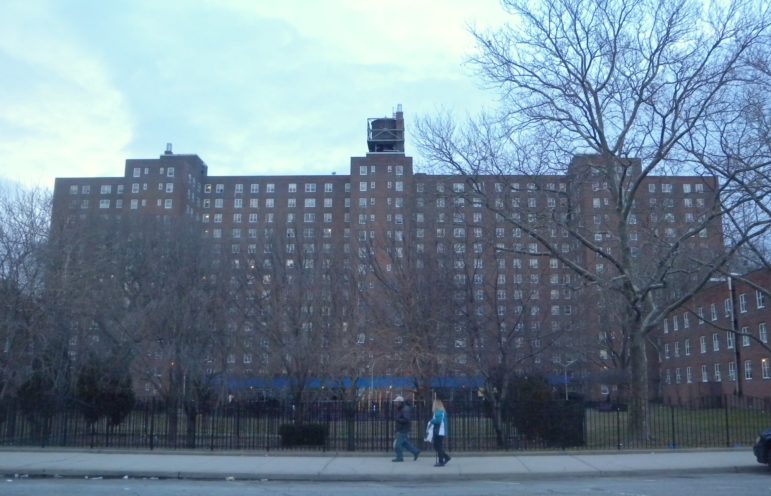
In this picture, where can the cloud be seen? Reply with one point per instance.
(252, 87)
(60, 111)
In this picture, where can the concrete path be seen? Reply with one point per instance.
(365, 467)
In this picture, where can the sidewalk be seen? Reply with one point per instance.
(353, 467)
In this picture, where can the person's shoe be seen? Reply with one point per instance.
(438, 464)
(446, 461)
(416, 455)
(397, 460)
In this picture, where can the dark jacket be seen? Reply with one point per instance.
(403, 418)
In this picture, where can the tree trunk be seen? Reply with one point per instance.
(501, 438)
(638, 409)
(192, 416)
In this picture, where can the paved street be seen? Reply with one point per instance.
(757, 483)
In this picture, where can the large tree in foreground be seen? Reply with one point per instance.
(631, 82)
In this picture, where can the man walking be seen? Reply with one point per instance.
(403, 424)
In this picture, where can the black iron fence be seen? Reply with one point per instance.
(369, 426)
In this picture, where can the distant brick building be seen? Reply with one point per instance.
(384, 213)
(704, 352)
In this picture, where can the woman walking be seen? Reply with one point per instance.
(439, 421)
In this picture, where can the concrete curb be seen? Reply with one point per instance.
(399, 477)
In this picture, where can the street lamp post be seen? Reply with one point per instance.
(734, 331)
(565, 373)
(372, 376)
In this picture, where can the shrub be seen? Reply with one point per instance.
(303, 434)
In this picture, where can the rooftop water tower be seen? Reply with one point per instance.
(386, 134)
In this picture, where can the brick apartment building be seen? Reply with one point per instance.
(384, 221)
(718, 343)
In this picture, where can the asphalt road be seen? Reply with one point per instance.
(754, 484)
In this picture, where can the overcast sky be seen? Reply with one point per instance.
(251, 86)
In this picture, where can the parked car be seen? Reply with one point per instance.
(762, 448)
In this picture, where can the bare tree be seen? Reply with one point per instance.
(24, 226)
(295, 307)
(141, 291)
(630, 82)
(405, 285)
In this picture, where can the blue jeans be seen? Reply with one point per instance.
(402, 442)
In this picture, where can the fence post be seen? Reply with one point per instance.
(618, 427)
(152, 424)
(672, 422)
(727, 426)
(212, 414)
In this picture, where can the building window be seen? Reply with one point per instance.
(170, 172)
(167, 203)
(748, 370)
(732, 371)
(745, 337)
(704, 374)
(716, 374)
(762, 333)
(730, 340)
(760, 299)
(715, 342)
(764, 368)
(703, 344)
